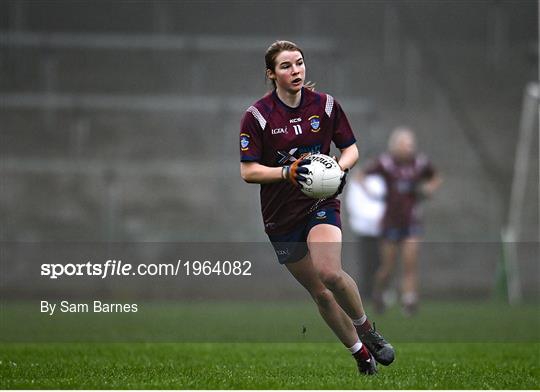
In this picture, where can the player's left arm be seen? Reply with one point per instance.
(343, 138)
(349, 157)
(346, 160)
(430, 179)
(430, 186)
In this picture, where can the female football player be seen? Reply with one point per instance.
(277, 132)
(409, 178)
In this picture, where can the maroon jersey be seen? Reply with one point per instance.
(402, 180)
(275, 134)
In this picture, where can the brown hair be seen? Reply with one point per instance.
(272, 52)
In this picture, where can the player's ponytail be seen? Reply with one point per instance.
(272, 52)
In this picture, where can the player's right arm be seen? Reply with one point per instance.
(255, 173)
(251, 152)
(373, 167)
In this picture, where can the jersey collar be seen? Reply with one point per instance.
(274, 93)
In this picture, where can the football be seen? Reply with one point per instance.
(323, 177)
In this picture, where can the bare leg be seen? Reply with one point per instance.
(331, 312)
(410, 270)
(388, 252)
(324, 243)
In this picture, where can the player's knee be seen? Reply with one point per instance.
(332, 279)
(323, 297)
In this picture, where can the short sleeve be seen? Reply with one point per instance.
(250, 138)
(343, 134)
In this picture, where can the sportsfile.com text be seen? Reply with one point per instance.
(118, 268)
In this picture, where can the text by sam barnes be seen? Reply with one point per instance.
(93, 307)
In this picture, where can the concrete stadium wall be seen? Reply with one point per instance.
(107, 137)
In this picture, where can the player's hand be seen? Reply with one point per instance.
(343, 178)
(343, 182)
(293, 173)
(423, 191)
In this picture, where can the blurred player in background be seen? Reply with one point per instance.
(410, 178)
(365, 205)
(276, 133)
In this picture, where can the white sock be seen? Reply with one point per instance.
(360, 321)
(356, 347)
(409, 298)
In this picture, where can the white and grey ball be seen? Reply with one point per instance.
(323, 177)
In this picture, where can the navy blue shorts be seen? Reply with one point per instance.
(400, 233)
(292, 247)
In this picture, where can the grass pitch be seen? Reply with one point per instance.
(265, 366)
(448, 346)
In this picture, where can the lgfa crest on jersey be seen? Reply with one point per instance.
(244, 141)
(315, 122)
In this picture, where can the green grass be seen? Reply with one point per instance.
(219, 345)
(265, 322)
(264, 366)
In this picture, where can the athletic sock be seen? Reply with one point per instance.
(355, 347)
(409, 298)
(359, 351)
(362, 323)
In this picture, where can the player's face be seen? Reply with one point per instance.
(404, 148)
(289, 71)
